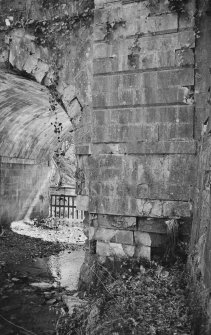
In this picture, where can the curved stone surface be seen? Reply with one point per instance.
(26, 123)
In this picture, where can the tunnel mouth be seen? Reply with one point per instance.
(37, 151)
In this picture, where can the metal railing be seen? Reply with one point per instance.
(64, 206)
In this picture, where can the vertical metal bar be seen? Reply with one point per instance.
(64, 206)
(68, 209)
(51, 204)
(76, 213)
(54, 205)
(73, 207)
(59, 207)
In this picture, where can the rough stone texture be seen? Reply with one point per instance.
(199, 260)
(131, 100)
(27, 124)
(143, 251)
(27, 129)
(111, 235)
(20, 181)
(114, 249)
(142, 238)
(139, 97)
(152, 225)
(142, 161)
(116, 222)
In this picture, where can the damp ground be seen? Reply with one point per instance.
(38, 278)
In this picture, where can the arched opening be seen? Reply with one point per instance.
(37, 152)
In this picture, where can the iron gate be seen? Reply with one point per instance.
(63, 206)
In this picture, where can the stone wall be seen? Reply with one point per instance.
(51, 42)
(199, 259)
(136, 89)
(60, 57)
(142, 154)
(128, 88)
(20, 182)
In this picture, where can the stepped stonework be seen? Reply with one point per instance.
(131, 81)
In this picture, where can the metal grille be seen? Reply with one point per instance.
(63, 206)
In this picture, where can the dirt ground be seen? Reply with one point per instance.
(16, 248)
(25, 309)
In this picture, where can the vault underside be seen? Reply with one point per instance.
(26, 122)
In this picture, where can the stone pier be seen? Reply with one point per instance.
(140, 162)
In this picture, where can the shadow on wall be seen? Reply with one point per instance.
(21, 186)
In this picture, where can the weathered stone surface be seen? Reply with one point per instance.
(149, 208)
(142, 238)
(162, 147)
(135, 148)
(82, 202)
(151, 225)
(117, 222)
(124, 237)
(20, 183)
(111, 235)
(105, 235)
(137, 18)
(83, 150)
(91, 233)
(155, 52)
(114, 249)
(143, 252)
(172, 208)
(158, 240)
(164, 87)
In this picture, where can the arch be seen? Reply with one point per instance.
(26, 122)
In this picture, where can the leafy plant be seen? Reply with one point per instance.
(110, 27)
(178, 6)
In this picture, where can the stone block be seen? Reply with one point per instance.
(109, 148)
(124, 237)
(101, 117)
(176, 208)
(142, 88)
(152, 225)
(168, 177)
(129, 250)
(83, 150)
(145, 132)
(155, 52)
(40, 71)
(101, 50)
(142, 251)
(158, 240)
(103, 234)
(176, 131)
(111, 161)
(82, 202)
(142, 238)
(152, 208)
(184, 57)
(117, 222)
(103, 249)
(162, 147)
(114, 249)
(185, 227)
(91, 233)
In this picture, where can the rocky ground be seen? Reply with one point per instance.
(128, 298)
(31, 300)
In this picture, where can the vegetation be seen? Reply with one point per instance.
(140, 298)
